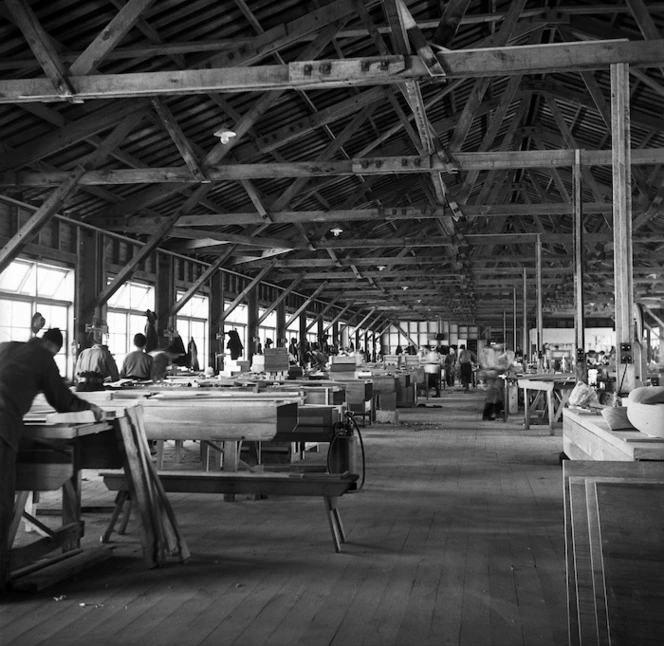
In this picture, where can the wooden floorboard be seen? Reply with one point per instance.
(457, 538)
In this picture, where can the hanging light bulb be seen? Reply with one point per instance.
(224, 134)
(337, 231)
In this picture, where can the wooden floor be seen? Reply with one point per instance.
(457, 538)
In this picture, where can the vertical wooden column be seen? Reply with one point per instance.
(320, 330)
(164, 295)
(335, 335)
(515, 336)
(526, 335)
(303, 334)
(626, 377)
(540, 325)
(580, 365)
(216, 324)
(252, 322)
(281, 326)
(90, 280)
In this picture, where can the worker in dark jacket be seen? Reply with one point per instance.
(25, 370)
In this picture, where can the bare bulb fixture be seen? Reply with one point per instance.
(337, 231)
(224, 134)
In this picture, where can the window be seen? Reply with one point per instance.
(27, 287)
(125, 317)
(268, 328)
(192, 324)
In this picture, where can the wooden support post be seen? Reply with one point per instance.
(216, 308)
(526, 339)
(252, 322)
(164, 293)
(580, 366)
(626, 377)
(540, 328)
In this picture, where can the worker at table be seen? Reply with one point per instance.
(137, 364)
(94, 366)
(27, 368)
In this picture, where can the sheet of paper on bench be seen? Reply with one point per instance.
(217, 419)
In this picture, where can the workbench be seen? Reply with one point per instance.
(51, 458)
(586, 436)
(551, 390)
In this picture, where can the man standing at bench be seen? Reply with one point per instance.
(25, 370)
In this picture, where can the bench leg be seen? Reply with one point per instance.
(334, 519)
(160, 454)
(120, 499)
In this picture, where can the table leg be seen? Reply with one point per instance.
(231, 462)
(551, 410)
(526, 409)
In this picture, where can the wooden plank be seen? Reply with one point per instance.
(277, 484)
(62, 569)
(137, 488)
(173, 530)
(582, 626)
(631, 524)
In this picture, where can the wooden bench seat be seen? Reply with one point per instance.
(328, 486)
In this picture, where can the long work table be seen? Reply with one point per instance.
(552, 390)
(586, 436)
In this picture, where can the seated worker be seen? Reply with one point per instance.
(94, 366)
(317, 358)
(137, 364)
(25, 370)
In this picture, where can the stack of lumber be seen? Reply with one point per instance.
(159, 531)
(343, 367)
(614, 532)
(276, 360)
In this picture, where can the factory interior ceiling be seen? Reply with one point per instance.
(417, 158)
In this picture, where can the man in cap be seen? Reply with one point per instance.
(25, 370)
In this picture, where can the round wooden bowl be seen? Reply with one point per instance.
(648, 418)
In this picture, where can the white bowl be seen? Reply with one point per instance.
(647, 418)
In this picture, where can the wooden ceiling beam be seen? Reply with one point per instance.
(37, 220)
(72, 133)
(41, 45)
(109, 37)
(479, 63)
(402, 165)
(181, 142)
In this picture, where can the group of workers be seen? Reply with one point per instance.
(96, 365)
(494, 362)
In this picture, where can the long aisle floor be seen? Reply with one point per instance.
(456, 538)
